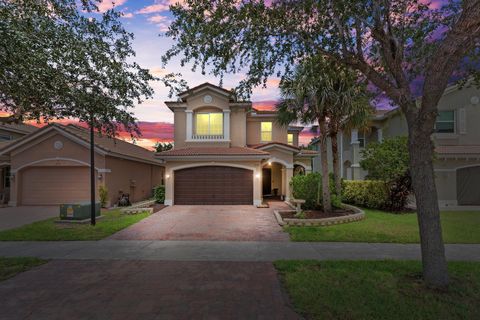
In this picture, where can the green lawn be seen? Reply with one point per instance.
(11, 266)
(379, 226)
(378, 290)
(47, 230)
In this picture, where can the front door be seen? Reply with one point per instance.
(267, 181)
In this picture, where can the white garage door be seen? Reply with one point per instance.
(55, 185)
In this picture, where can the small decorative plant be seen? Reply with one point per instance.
(103, 194)
(159, 194)
(300, 215)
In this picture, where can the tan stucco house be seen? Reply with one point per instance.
(226, 152)
(457, 141)
(50, 166)
(9, 133)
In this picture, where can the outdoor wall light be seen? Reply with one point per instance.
(167, 176)
(257, 175)
(269, 163)
(100, 176)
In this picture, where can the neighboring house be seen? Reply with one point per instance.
(8, 133)
(51, 166)
(457, 141)
(226, 152)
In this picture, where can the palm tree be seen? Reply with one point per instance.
(351, 109)
(320, 91)
(306, 98)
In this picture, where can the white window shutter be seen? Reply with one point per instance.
(462, 121)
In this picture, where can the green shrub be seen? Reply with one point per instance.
(388, 161)
(159, 194)
(309, 188)
(103, 194)
(366, 193)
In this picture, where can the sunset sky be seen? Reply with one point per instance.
(148, 20)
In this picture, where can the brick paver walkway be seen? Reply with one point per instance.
(67, 289)
(228, 223)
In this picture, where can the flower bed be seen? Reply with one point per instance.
(349, 214)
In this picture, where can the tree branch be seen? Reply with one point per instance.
(460, 40)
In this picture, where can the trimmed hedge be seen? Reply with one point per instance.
(309, 188)
(159, 194)
(366, 193)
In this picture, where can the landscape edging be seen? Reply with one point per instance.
(357, 216)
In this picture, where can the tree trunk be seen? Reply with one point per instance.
(336, 165)
(421, 148)
(326, 201)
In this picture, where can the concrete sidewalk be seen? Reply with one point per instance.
(226, 250)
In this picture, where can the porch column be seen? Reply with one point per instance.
(355, 155)
(189, 125)
(168, 181)
(257, 185)
(284, 179)
(226, 124)
(13, 189)
(288, 177)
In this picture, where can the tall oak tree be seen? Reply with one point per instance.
(394, 43)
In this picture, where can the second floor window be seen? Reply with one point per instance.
(266, 131)
(362, 139)
(290, 138)
(445, 122)
(209, 124)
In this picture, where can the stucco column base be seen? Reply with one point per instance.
(288, 178)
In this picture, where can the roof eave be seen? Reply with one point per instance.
(213, 157)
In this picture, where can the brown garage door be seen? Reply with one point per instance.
(54, 185)
(468, 186)
(213, 185)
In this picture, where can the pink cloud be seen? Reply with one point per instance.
(158, 71)
(127, 15)
(162, 22)
(157, 18)
(106, 5)
(154, 8)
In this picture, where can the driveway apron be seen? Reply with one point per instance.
(221, 223)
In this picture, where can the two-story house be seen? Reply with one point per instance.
(457, 141)
(226, 152)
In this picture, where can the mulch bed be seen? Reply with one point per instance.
(318, 214)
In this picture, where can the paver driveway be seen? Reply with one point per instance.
(229, 223)
(69, 289)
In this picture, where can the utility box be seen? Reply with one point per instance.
(78, 211)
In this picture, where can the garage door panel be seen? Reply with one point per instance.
(213, 185)
(55, 185)
(468, 186)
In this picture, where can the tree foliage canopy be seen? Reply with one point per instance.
(392, 42)
(387, 160)
(165, 146)
(59, 60)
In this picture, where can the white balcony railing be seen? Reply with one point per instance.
(208, 137)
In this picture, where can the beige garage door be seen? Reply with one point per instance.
(55, 185)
